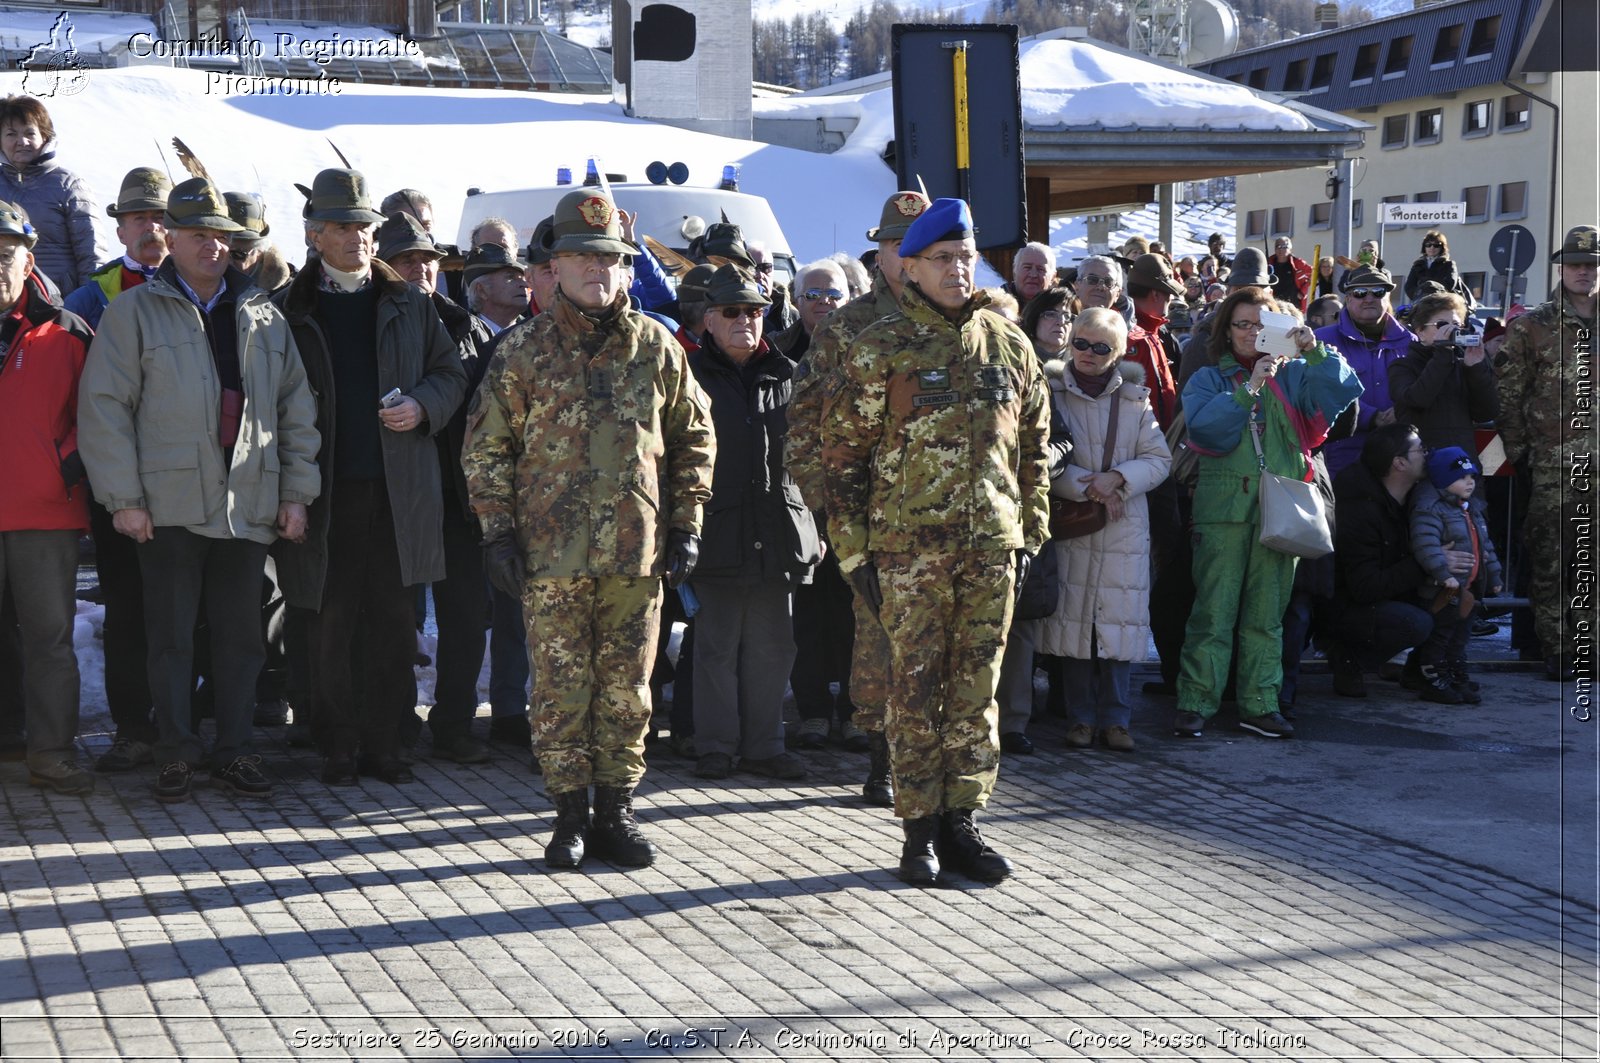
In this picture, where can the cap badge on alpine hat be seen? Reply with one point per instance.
(596, 211)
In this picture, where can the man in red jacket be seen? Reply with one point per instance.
(44, 507)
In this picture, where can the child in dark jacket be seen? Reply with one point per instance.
(1443, 517)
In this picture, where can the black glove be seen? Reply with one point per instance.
(72, 470)
(1024, 563)
(502, 563)
(683, 553)
(864, 578)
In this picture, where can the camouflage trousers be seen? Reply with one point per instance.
(869, 668)
(591, 642)
(1562, 610)
(946, 616)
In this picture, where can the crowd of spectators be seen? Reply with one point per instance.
(267, 500)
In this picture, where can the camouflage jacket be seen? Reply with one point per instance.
(1547, 373)
(934, 436)
(804, 450)
(589, 440)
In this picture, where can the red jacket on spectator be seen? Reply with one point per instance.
(1146, 349)
(45, 488)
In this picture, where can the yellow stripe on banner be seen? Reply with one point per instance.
(963, 127)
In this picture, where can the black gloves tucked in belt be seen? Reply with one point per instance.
(683, 553)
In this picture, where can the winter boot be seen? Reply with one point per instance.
(572, 819)
(614, 835)
(1436, 685)
(1463, 683)
(968, 852)
(879, 788)
(919, 865)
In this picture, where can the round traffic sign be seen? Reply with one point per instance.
(1511, 250)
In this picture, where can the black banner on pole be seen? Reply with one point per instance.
(925, 122)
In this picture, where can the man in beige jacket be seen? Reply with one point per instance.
(198, 430)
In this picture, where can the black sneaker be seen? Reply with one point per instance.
(270, 712)
(714, 766)
(1482, 628)
(1189, 725)
(242, 776)
(1437, 687)
(174, 782)
(1269, 725)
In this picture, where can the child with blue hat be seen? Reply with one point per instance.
(1444, 519)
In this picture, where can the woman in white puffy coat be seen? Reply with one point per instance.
(1102, 624)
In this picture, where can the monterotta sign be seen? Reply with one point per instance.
(1424, 213)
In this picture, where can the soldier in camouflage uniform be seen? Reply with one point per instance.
(1547, 413)
(588, 458)
(869, 662)
(934, 434)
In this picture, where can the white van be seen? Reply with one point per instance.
(672, 215)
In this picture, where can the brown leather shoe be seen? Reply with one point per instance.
(1080, 736)
(1117, 738)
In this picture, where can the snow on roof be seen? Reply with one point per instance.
(91, 31)
(1079, 84)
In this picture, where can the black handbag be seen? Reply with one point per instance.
(1041, 591)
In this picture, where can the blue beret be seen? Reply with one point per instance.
(1449, 464)
(945, 219)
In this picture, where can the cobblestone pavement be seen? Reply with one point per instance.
(1398, 882)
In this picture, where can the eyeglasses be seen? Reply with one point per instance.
(1247, 326)
(240, 256)
(1100, 349)
(817, 295)
(1367, 293)
(1431, 243)
(1095, 281)
(944, 260)
(763, 267)
(734, 313)
(1446, 323)
(1055, 317)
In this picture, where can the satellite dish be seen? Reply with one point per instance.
(1213, 31)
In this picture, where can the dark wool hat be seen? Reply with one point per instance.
(144, 188)
(401, 233)
(695, 286)
(250, 211)
(1449, 464)
(489, 258)
(945, 219)
(732, 286)
(539, 243)
(196, 204)
(341, 196)
(1365, 276)
(1249, 269)
(1153, 271)
(899, 211)
(724, 240)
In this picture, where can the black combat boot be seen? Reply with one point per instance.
(572, 819)
(614, 835)
(879, 789)
(1437, 687)
(966, 850)
(919, 865)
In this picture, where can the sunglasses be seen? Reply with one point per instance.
(1095, 281)
(240, 256)
(1430, 243)
(1367, 293)
(1446, 323)
(1100, 349)
(734, 313)
(816, 295)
